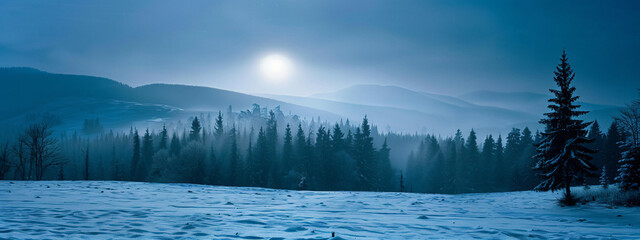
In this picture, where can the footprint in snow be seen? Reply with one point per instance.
(295, 229)
(188, 226)
(251, 222)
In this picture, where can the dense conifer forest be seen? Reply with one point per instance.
(266, 148)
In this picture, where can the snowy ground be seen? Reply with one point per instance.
(98, 210)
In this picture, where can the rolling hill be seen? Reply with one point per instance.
(536, 104)
(485, 111)
(27, 93)
(448, 113)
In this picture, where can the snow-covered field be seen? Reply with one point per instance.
(98, 210)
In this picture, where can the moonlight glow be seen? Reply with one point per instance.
(275, 67)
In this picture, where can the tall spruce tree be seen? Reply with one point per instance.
(526, 140)
(436, 159)
(562, 153)
(194, 134)
(287, 151)
(340, 157)
(260, 166)
(597, 144)
(364, 156)
(163, 138)
(135, 160)
(219, 127)
(512, 153)
(385, 171)
(302, 165)
(324, 157)
(146, 156)
(472, 157)
(498, 170)
(460, 179)
(526, 162)
(234, 158)
(271, 159)
(595, 133)
(488, 150)
(337, 139)
(610, 152)
(348, 141)
(488, 159)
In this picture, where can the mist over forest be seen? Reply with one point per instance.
(279, 119)
(106, 130)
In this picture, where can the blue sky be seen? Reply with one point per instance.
(448, 47)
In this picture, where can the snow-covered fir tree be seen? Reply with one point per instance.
(629, 170)
(562, 152)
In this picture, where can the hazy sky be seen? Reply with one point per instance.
(449, 47)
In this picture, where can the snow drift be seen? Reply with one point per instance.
(99, 210)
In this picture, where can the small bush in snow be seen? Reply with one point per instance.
(611, 195)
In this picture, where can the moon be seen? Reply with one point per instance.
(275, 67)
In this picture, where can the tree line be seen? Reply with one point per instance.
(333, 157)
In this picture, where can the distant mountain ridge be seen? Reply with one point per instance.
(27, 90)
(394, 96)
(487, 111)
(524, 100)
(453, 113)
(387, 118)
(536, 104)
(31, 83)
(23, 89)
